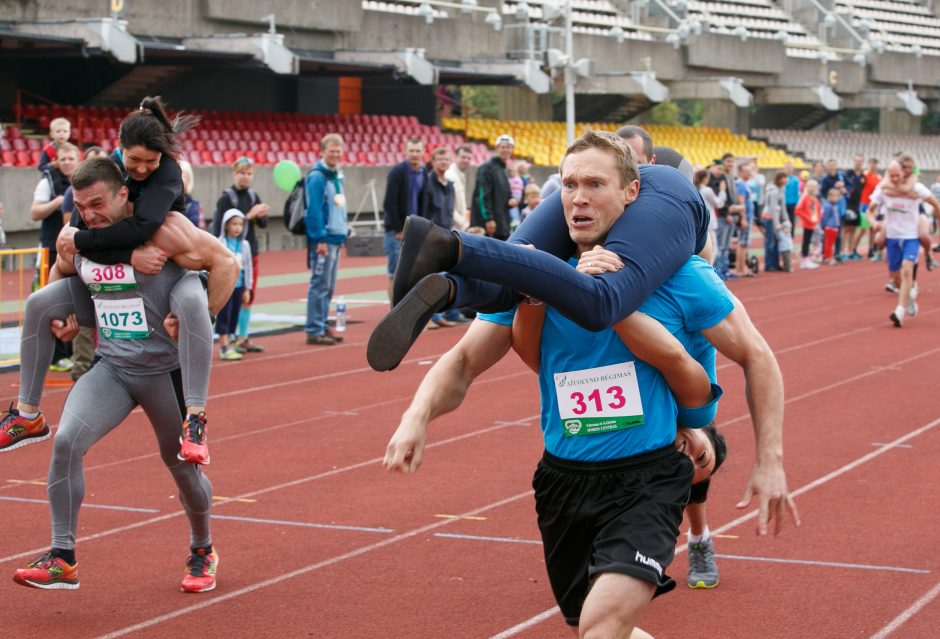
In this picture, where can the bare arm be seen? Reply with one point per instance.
(737, 338)
(41, 210)
(194, 249)
(443, 390)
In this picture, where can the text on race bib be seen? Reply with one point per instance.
(121, 319)
(107, 278)
(599, 400)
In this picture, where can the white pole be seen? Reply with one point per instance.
(569, 75)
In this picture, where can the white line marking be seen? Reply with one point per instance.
(898, 621)
(307, 569)
(508, 540)
(281, 522)
(45, 502)
(827, 564)
(898, 446)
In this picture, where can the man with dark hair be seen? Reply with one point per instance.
(402, 188)
(492, 198)
(640, 141)
(139, 364)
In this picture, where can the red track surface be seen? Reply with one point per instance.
(297, 434)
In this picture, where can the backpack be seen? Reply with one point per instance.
(295, 209)
(233, 198)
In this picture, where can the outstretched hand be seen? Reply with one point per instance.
(405, 450)
(769, 484)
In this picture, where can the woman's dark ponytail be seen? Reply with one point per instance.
(149, 126)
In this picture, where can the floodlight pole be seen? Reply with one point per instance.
(569, 75)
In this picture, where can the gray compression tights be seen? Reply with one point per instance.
(69, 295)
(100, 400)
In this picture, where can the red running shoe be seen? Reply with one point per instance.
(16, 431)
(200, 571)
(193, 448)
(49, 573)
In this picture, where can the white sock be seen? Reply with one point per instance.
(29, 416)
(899, 311)
(705, 536)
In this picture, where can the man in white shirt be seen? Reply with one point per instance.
(901, 223)
(457, 173)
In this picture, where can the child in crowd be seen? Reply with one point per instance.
(831, 210)
(516, 186)
(785, 244)
(233, 226)
(809, 210)
(532, 196)
(243, 197)
(60, 130)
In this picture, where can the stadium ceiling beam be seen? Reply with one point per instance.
(107, 34)
(410, 62)
(820, 95)
(718, 88)
(528, 72)
(631, 83)
(266, 47)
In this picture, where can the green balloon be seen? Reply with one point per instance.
(286, 175)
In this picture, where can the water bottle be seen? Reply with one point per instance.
(340, 325)
(321, 262)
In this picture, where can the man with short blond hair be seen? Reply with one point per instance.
(327, 228)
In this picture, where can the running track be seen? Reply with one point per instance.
(316, 540)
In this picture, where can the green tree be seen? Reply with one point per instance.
(483, 101)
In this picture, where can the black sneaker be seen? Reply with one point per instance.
(394, 335)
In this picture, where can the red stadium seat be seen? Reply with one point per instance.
(8, 158)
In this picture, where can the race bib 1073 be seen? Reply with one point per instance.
(121, 319)
(599, 400)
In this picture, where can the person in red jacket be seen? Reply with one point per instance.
(809, 210)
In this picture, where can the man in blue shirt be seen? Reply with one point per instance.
(613, 421)
(327, 228)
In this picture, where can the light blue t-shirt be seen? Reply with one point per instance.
(693, 299)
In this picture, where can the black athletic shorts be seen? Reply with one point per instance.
(618, 516)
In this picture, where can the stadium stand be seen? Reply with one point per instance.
(842, 146)
(900, 26)
(759, 19)
(223, 136)
(544, 142)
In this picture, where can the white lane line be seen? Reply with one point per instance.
(528, 623)
(307, 569)
(826, 564)
(305, 524)
(45, 502)
(898, 621)
(505, 540)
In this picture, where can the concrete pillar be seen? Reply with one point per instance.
(724, 113)
(898, 122)
(520, 103)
